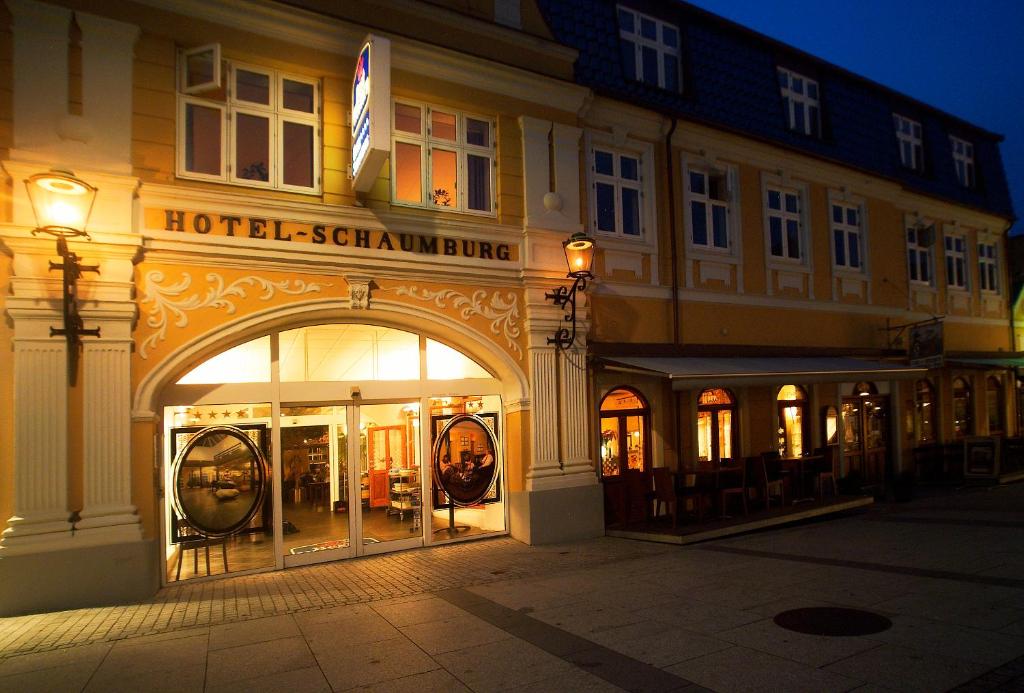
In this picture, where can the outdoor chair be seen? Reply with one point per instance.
(732, 481)
(694, 489)
(665, 493)
(774, 485)
(190, 539)
(826, 473)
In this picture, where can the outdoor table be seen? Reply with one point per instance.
(798, 468)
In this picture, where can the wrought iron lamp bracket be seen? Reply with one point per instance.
(565, 298)
(71, 269)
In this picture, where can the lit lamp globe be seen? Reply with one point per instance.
(579, 254)
(61, 202)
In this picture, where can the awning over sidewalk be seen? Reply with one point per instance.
(690, 371)
(1006, 362)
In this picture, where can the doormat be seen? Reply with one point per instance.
(322, 546)
(328, 545)
(832, 620)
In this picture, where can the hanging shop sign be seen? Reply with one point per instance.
(220, 479)
(465, 459)
(925, 350)
(371, 112)
(348, 237)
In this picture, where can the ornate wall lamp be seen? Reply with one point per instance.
(62, 205)
(579, 255)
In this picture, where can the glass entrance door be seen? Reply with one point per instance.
(390, 477)
(315, 483)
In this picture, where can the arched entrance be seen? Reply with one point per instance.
(349, 413)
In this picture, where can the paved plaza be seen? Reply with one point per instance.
(947, 570)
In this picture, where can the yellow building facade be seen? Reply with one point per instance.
(325, 241)
(248, 291)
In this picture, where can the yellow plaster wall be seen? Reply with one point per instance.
(6, 83)
(144, 495)
(162, 331)
(517, 447)
(619, 319)
(6, 395)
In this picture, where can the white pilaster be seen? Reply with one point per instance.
(40, 520)
(566, 144)
(108, 515)
(106, 127)
(544, 396)
(40, 34)
(574, 415)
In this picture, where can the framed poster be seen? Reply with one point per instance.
(472, 447)
(981, 457)
(220, 480)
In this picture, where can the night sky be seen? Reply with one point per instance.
(965, 58)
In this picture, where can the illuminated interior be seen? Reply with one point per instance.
(624, 422)
(443, 176)
(716, 409)
(245, 363)
(355, 477)
(349, 352)
(792, 421)
(408, 176)
(924, 411)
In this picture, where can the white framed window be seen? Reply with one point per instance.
(920, 240)
(261, 129)
(200, 69)
(617, 195)
(708, 198)
(784, 214)
(847, 236)
(963, 159)
(956, 261)
(988, 267)
(650, 49)
(908, 136)
(442, 159)
(801, 102)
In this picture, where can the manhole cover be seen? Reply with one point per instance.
(832, 620)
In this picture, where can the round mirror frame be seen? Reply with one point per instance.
(261, 464)
(435, 461)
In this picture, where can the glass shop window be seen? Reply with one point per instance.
(716, 414)
(794, 425)
(625, 421)
(924, 411)
(963, 425)
(341, 352)
(994, 405)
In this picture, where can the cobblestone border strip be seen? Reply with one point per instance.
(876, 567)
(614, 667)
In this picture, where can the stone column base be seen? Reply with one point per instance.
(556, 515)
(78, 577)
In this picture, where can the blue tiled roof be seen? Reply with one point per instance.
(730, 81)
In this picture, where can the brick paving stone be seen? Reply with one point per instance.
(188, 605)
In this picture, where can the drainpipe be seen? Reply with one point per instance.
(672, 231)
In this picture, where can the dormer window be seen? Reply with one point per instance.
(801, 102)
(908, 135)
(963, 159)
(650, 49)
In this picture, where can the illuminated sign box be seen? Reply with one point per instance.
(371, 111)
